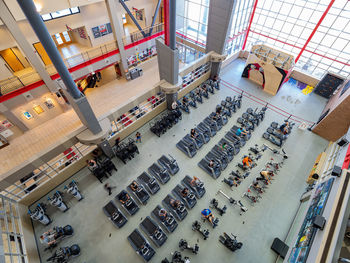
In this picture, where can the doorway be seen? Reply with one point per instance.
(12, 60)
(62, 38)
(42, 53)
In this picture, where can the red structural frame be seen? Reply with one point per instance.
(307, 50)
(39, 83)
(250, 24)
(315, 29)
(166, 22)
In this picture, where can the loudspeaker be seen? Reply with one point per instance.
(280, 247)
(342, 142)
(319, 222)
(336, 171)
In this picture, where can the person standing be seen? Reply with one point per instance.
(138, 137)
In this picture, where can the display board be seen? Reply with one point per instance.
(328, 85)
(307, 231)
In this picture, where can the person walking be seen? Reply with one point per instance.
(109, 188)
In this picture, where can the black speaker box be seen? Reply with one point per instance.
(280, 247)
(336, 171)
(319, 222)
(342, 142)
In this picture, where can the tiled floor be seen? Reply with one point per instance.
(31, 143)
(100, 241)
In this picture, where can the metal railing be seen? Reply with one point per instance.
(195, 74)
(11, 84)
(137, 35)
(130, 117)
(47, 171)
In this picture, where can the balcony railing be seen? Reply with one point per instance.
(10, 84)
(137, 35)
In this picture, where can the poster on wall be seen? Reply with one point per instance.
(109, 28)
(2, 128)
(103, 30)
(27, 115)
(96, 32)
(38, 109)
(139, 15)
(49, 104)
(81, 32)
(7, 124)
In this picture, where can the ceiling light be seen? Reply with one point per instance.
(38, 7)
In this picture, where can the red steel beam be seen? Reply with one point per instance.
(315, 29)
(250, 23)
(166, 22)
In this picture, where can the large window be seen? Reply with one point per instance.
(61, 13)
(240, 21)
(287, 24)
(192, 19)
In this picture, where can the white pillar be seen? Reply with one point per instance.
(115, 17)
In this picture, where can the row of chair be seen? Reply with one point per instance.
(151, 225)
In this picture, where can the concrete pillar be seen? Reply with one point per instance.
(219, 26)
(26, 47)
(78, 101)
(168, 64)
(115, 17)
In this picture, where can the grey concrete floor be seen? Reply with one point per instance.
(100, 241)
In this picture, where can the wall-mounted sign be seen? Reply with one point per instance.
(96, 32)
(27, 115)
(38, 109)
(81, 32)
(7, 124)
(101, 30)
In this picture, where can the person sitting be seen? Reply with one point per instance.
(224, 145)
(266, 175)
(198, 92)
(175, 203)
(247, 161)
(162, 214)
(195, 181)
(218, 110)
(194, 133)
(185, 192)
(284, 128)
(241, 132)
(92, 165)
(206, 213)
(124, 197)
(174, 105)
(134, 186)
(256, 185)
(48, 238)
(211, 163)
(185, 101)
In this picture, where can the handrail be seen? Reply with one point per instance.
(137, 35)
(13, 83)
